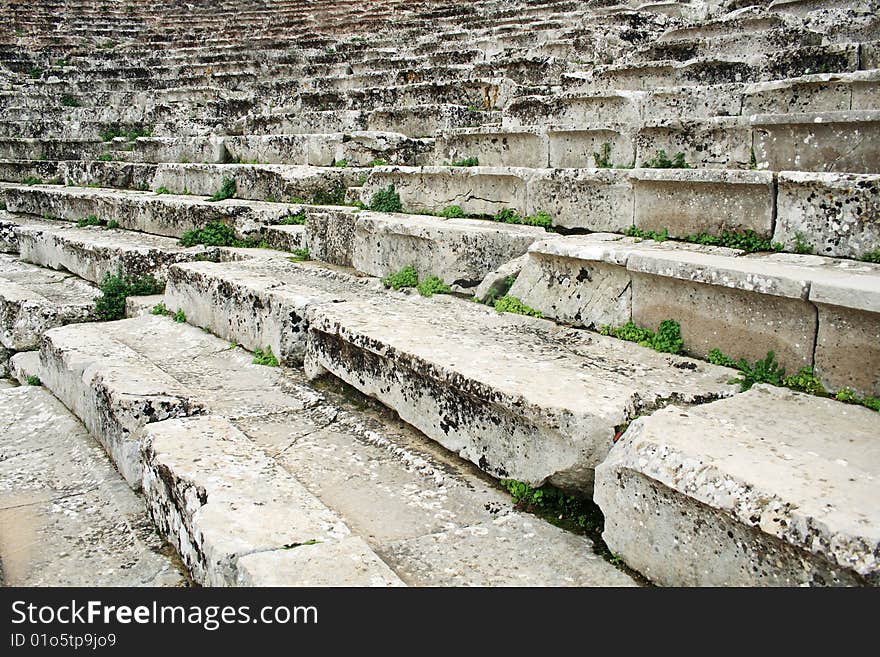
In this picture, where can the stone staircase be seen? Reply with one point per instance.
(596, 168)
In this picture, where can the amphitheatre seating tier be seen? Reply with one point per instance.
(268, 253)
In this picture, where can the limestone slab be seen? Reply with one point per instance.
(459, 251)
(67, 518)
(715, 495)
(492, 387)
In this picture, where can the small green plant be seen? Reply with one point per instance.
(33, 380)
(431, 286)
(179, 317)
(300, 255)
(31, 180)
(35, 72)
(265, 357)
(215, 233)
(666, 340)
(806, 381)
(160, 309)
(378, 162)
(603, 157)
(163, 190)
(91, 220)
(871, 256)
(105, 157)
(466, 162)
(112, 132)
(802, 246)
(748, 241)
(341, 164)
(509, 216)
(638, 233)
(717, 358)
(753, 161)
(297, 219)
(406, 277)
(555, 506)
(68, 100)
(116, 288)
(452, 212)
(112, 224)
(765, 370)
(386, 200)
(662, 161)
(497, 290)
(509, 304)
(227, 190)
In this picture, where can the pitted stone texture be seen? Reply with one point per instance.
(159, 214)
(716, 143)
(686, 202)
(34, 300)
(93, 253)
(261, 302)
(828, 141)
(255, 182)
(476, 190)
(493, 147)
(837, 214)
(326, 149)
(219, 498)
(573, 283)
(66, 516)
(592, 199)
(459, 251)
(715, 495)
(493, 387)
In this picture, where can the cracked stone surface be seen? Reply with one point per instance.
(266, 465)
(716, 495)
(33, 300)
(67, 518)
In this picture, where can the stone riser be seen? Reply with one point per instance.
(684, 202)
(743, 305)
(841, 146)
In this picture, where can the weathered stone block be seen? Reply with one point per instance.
(492, 387)
(593, 199)
(716, 495)
(830, 141)
(459, 251)
(688, 202)
(837, 214)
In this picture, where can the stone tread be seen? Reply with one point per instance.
(259, 434)
(34, 299)
(814, 490)
(66, 516)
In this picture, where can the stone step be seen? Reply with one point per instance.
(354, 149)
(810, 311)
(721, 142)
(167, 215)
(828, 141)
(66, 516)
(292, 308)
(91, 253)
(819, 92)
(272, 182)
(494, 388)
(763, 67)
(718, 496)
(682, 202)
(33, 300)
(260, 493)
